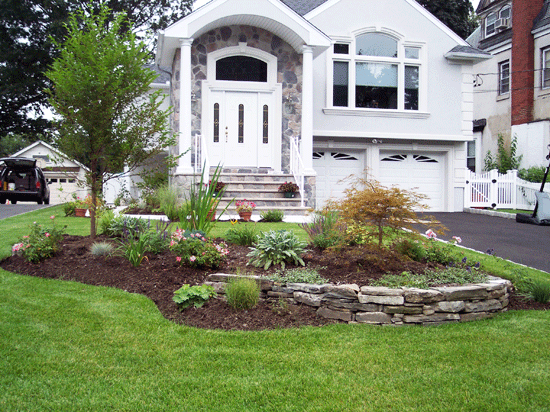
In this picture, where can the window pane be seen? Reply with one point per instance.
(412, 52)
(216, 122)
(411, 87)
(490, 24)
(471, 149)
(341, 82)
(504, 78)
(241, 123)
(265, 125)
(546, 69)
(376, 44)
(341, 48)
(241, 68)
(376, 85)
(505, 13)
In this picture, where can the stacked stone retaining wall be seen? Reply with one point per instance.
(387, 306)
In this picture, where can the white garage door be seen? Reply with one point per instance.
(62, 188)
(422, 173)
(332, 166)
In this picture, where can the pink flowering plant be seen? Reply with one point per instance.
(245, 206)
(41, 243)
(192, 248)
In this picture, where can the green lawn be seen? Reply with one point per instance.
(65, 346)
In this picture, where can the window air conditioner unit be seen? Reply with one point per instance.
(502, 24)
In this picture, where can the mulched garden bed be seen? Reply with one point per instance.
(160, 275)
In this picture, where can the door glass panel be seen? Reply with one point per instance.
(241, 123)
(242, 69)
(216, 122)
(266, 125)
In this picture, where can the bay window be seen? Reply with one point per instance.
(381, 73)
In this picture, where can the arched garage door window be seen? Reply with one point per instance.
(241, 69)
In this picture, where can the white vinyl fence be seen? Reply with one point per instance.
(500, 191)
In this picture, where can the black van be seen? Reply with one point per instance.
(22, 180)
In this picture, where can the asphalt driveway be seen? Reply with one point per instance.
(18, 209)
(518, 242)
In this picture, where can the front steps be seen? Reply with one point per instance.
(261, 187)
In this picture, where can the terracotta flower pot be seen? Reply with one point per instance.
(245, 216)
(80, 212)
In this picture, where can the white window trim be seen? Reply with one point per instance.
(400, 61)
(496, 14)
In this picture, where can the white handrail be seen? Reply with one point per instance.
(201, 159)
(297, 167)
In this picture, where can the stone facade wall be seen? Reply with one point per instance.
(289, 74)
(385, 306)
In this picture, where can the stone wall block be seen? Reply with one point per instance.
(343, 314)
(349, 291)
(483, 306)
(467, 317)
(354, 306)
(283, 295)
(306, 287)
(470, 292)
(405, 310)
(436, 317)
(449, 306)
(373, 318)
(381, 291)
(308, 298)
(414, 295)
(382, 300)
(219, 287)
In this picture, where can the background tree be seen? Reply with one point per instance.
(13, 143)
(101, 90)
(458, 15)
(27, 28)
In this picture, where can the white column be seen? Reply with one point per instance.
(184, 164)
(306, 145)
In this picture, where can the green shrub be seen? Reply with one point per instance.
(413, 249)
(197, 251)
(193, 295)
(169, 199)
(244, 235)
(277, 248)
(104, 221)
(41, 243)
(298, 275)
(158, 240)
(101, 249)
(325, 230)
(275, 215)
(533, 174)
(127, 226)
(68, 208)
(539, 290)
(242, 293)
(440, 252)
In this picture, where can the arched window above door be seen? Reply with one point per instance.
(241, 69)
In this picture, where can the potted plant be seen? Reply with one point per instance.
(245, 208)
(289, 189)
(219, 187)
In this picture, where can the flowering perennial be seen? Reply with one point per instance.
(245, 206)
(194, 249)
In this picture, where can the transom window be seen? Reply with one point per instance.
(382, 73)
(242, 69)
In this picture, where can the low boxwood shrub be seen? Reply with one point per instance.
(242, 293)
(277, 248)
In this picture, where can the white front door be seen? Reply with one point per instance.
(241, 128)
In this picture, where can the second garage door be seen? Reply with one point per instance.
(422, 173)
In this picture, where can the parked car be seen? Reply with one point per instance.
(22, 180)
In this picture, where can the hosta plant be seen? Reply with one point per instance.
(277, 248)
(193, 295)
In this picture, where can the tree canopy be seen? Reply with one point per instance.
(101, 88)
(27, 28)
(458, 15)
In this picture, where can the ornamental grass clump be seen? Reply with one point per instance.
(244, 235)
(102, 249)
(326, 229)
(539, 290)
(277, 248)
(274, 215)
(242, 293)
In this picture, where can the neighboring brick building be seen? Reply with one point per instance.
(512, 90)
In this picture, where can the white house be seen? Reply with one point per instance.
(358, 84)
(66, 176)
